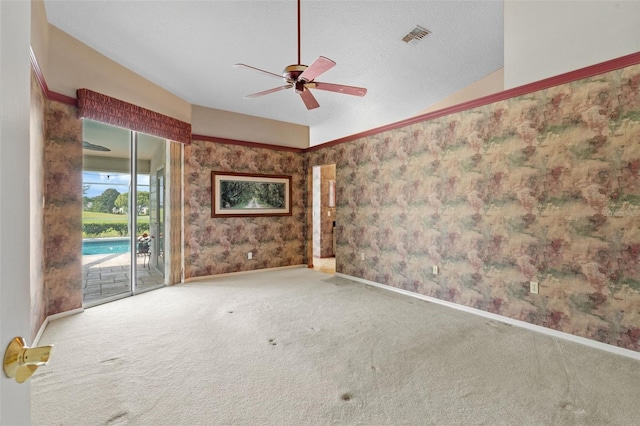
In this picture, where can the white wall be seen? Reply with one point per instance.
(231, 125)
(72, 65)
(493, 83)
(40, 34)
(545, 38)
(15, 28)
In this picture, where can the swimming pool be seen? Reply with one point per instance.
(105, 246)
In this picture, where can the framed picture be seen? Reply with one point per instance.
(332, 193)
(246, 194)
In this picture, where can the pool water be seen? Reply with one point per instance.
(106, 246)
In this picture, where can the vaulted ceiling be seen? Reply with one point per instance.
(189, 48)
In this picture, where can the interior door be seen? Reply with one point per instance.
(15, 24)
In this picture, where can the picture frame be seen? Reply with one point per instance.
(250, 195)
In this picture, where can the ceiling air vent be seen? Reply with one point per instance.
(416, 34)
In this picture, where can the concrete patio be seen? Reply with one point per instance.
(106, 275)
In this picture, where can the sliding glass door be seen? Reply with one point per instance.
(159, 219)
(118, 237)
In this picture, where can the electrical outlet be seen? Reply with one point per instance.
(533, 287)
(329, 213)
(250, 255)
(361, 256)
(435, 269)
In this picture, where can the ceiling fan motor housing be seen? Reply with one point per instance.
(291, 74)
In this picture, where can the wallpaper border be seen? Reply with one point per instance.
(590, 71)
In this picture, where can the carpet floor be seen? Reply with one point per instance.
(295, 347)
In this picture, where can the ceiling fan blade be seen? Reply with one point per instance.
(249, 67)
(308, 99)
(266, 92)
(92, 147)
(347, 90)
(319, 66)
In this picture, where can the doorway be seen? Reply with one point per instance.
(324, 217)
(121, 255)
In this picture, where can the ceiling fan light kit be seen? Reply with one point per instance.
(302, 78)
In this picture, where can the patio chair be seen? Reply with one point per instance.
(146, 256)
(144, 249)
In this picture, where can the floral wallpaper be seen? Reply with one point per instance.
(220, 245)
(56, 163)
(63, 209)
(543, 187)
(37, 137)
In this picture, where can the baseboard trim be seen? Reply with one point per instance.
(253, 271)
(518, 323)
(53, 317)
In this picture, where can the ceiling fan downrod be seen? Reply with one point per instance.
(299, 32)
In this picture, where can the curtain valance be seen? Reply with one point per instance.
(103, 108)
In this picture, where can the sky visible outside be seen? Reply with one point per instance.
(98, 182)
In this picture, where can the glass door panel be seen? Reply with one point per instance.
(150, 191)
(106, 252)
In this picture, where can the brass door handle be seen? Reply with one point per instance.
(20, 361)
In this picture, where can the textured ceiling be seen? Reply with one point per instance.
(189, 47)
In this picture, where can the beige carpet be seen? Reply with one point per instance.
(296, 346)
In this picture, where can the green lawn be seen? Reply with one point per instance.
(99, 225)
(96, 217)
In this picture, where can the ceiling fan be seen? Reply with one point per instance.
(302, 78)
